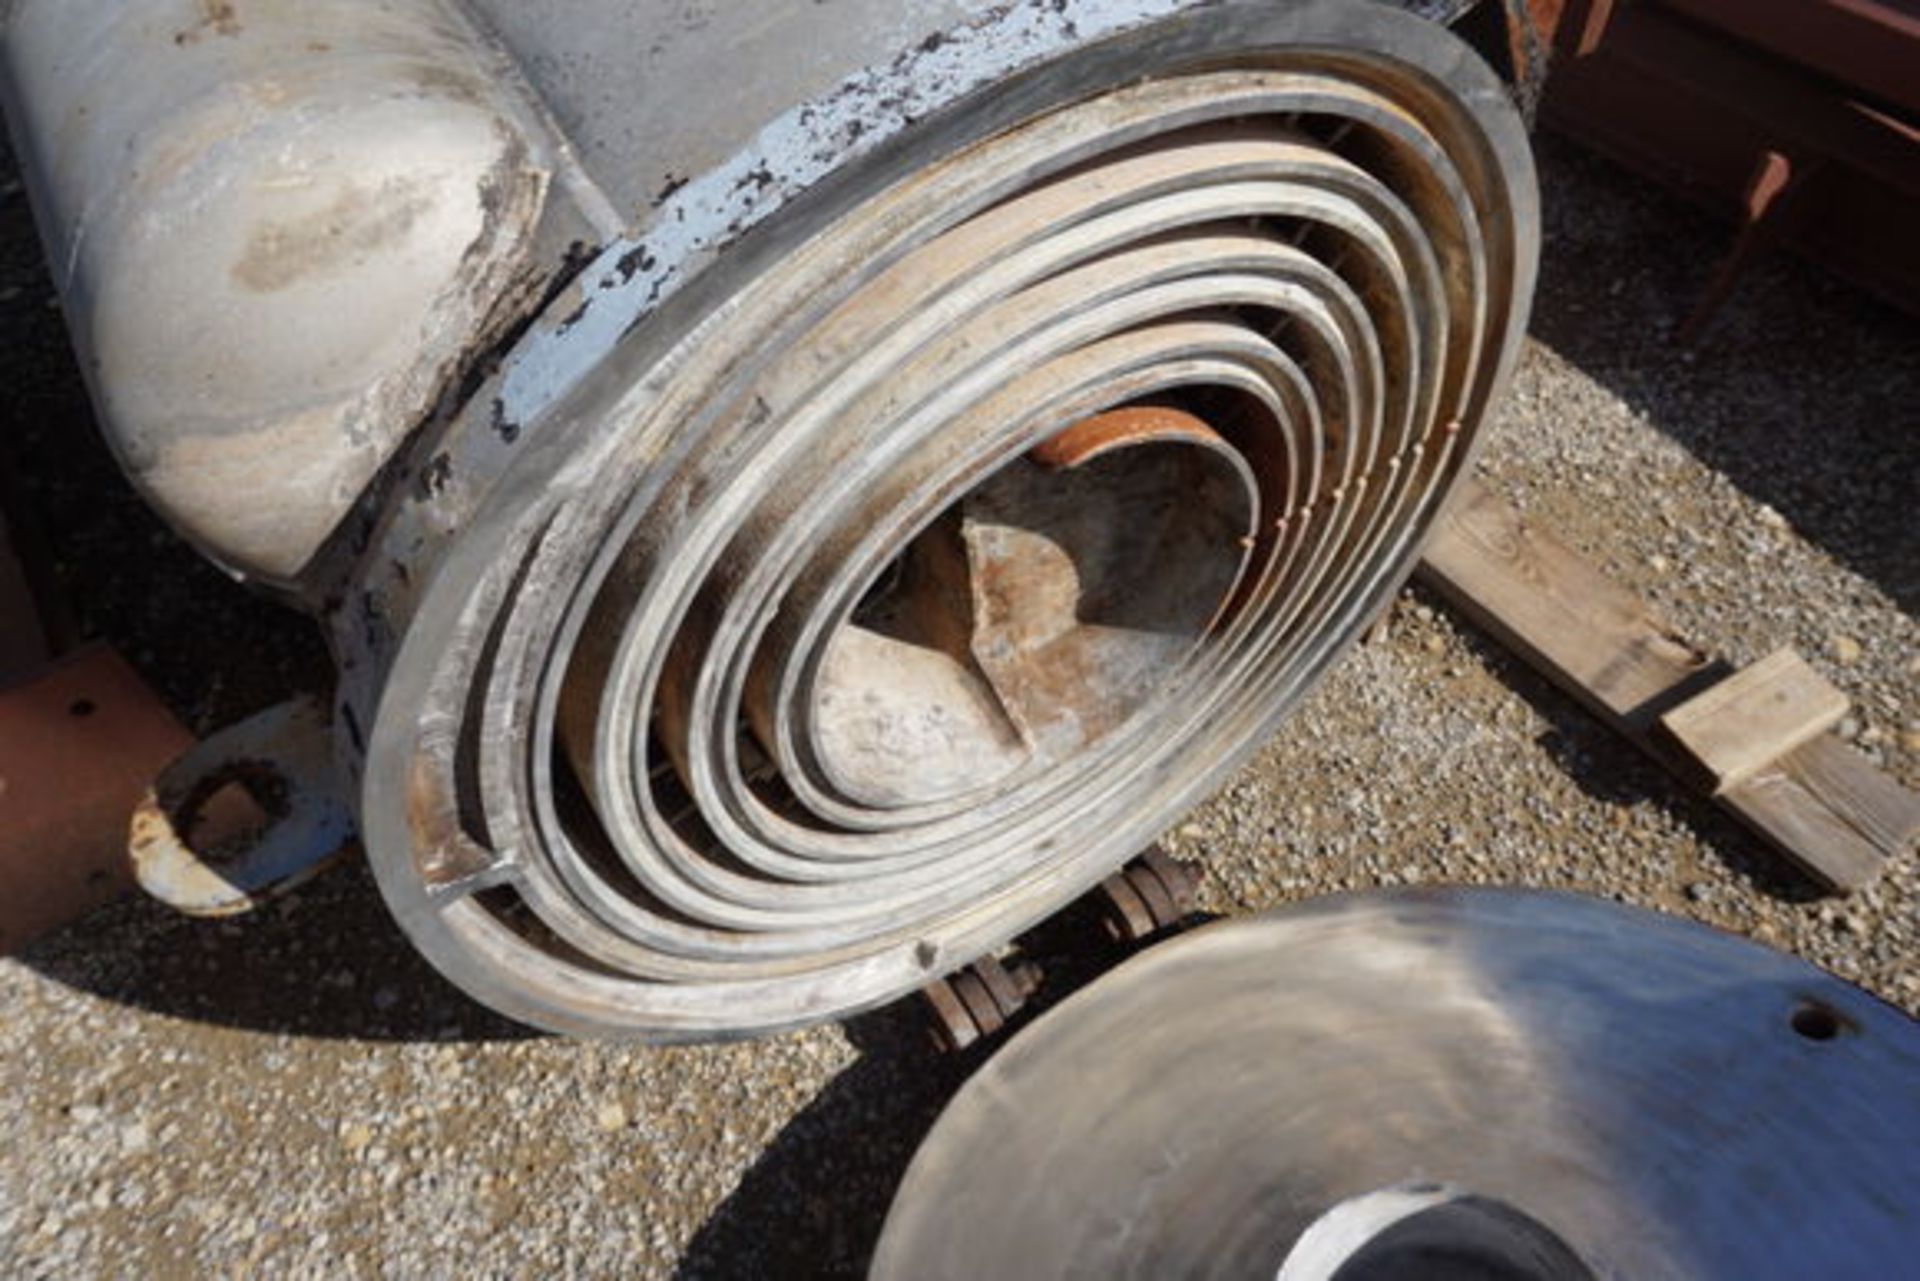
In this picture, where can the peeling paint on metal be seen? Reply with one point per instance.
(788, 156)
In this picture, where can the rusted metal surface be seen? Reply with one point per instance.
(1866, 45)
(1544, 17)
(1093, 579)
(78, 744)
(1042, 611)
(1463, 1083)
(282, 759)
(1119, 428)
(1037, 616)
(1700, 93)
(1154, 892)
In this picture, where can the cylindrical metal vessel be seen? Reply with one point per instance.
(976, 428)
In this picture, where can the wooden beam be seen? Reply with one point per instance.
(1821, 803)
(1753, 718)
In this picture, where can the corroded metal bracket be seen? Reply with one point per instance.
(1149, 897)
(281, 762)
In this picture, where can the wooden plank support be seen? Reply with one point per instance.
(1753, 718)
(1816, 800)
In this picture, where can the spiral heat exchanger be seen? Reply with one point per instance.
(866, 610)
(796, 493)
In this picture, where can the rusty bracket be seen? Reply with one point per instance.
(1150, 896)
(1774, 192)
(244, 816)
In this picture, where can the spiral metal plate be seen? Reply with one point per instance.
(910, 572)
(1459, 1083)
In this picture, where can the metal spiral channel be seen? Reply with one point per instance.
(927, 570)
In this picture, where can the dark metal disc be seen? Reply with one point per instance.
(1436, 1083)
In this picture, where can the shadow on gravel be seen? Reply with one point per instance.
(326, 962)
(815, 1202)
(1804, 392)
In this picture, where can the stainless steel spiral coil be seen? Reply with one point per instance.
(796, 495)
(885, 597)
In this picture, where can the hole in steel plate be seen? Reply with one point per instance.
(232, 812)
(1816, 1021)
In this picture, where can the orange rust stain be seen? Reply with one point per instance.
(217, 17)
(443, 850)
(1546, 16)
(1118, 428)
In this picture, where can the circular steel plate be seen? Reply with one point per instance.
(1503, 1083)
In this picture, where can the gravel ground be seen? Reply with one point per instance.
(295, 1093)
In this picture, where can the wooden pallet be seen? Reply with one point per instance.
(1758, 741)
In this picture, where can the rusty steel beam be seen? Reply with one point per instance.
(1868, 46)
(1698, 93)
